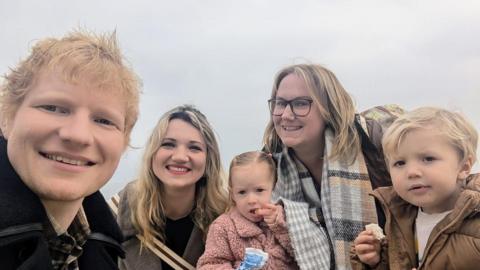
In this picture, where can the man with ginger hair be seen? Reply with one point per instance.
(66, 113)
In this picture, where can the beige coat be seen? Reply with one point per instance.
(146, 259)
(454, 242)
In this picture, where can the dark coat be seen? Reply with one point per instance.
(22, 215)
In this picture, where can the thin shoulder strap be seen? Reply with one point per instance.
(158, 248)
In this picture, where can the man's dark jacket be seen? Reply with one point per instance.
(22, 215)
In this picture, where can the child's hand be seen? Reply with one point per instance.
(270, 213)
(367, 248)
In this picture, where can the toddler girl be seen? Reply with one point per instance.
(252, 221)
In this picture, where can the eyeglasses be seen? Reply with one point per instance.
(299, 106)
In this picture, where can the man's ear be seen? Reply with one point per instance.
(465, 168)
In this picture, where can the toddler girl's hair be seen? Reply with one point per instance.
(457, 130)
(249, 158)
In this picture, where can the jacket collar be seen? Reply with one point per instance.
(18, 204)
(467, 204)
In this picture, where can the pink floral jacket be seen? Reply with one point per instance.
(231, 233)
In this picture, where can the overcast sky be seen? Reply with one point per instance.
(222, 55)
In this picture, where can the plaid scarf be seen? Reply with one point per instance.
(323, 228)
(66, 247)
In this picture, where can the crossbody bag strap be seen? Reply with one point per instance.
(158, 248)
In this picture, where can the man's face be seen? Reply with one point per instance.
(65, 140)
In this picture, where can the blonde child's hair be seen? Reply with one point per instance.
(250, 158)
(459, 132)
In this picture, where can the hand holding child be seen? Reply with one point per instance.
(271, 213)
(367, 247)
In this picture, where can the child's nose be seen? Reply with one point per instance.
(413, 171)
(252, 199)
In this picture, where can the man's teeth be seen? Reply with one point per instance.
(66, 160)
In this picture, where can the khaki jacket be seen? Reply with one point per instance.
(137, 258)
(454, 242)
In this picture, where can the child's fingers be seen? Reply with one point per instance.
(267, 209)
(371, 258)
(365, 237)
(362, 249)
(264, 211)
(268, 206)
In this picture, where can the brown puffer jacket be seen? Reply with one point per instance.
(453, 244)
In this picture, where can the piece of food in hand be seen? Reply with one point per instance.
(376, 230)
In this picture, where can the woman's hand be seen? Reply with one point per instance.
(367, 248)
(270, 212)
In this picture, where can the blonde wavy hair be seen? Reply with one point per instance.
(459, 132)
(80, 57)
(210, 194)
(335, 106)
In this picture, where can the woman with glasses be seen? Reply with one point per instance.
(326, 164)
(180, 190)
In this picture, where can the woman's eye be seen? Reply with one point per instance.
(300, 103)
(196, 148)
(167, 145)
(280, 103)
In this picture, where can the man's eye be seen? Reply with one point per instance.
(104, 122)
(53, 108)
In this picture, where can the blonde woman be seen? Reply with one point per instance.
(326, 164)
(179, 191)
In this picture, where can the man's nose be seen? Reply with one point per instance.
(77, 129)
